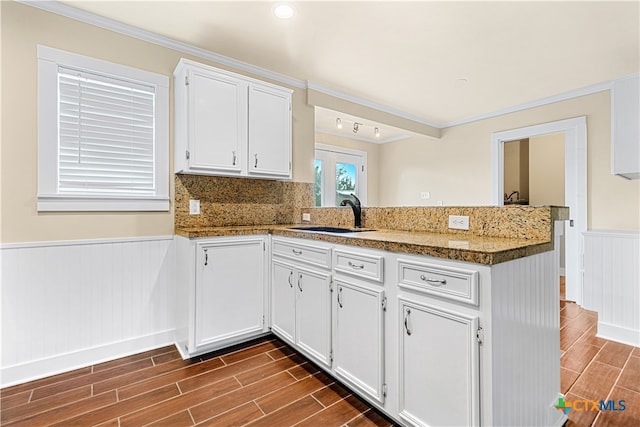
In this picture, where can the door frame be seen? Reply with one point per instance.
(361, 172)
(575, 148)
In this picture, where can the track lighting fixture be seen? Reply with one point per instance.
(357, 125)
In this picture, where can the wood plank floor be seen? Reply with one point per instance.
(261, 383)
(593, 368)
(265, 382)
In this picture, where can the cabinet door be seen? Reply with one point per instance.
(283, 300)
(217, 122)
(269, 131)
(229, 298)
(313, 314)
(359, 337)
(439, 365)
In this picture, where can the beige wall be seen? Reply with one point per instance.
(456, 168)
(23, 28)
(546, 169)
(516, 168)
(372, 151)
(464, 178)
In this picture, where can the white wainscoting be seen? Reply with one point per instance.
(612, 283)
(71, 304)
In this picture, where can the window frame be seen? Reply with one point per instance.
(49, 197)
(333, 154)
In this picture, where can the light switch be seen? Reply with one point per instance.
(194, 207)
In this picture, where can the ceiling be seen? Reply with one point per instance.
(442, 62)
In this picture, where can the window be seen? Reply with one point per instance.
(339, 172)
(103, 142)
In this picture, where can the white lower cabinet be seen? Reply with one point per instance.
(438, 366)
(359, 337)
(222, 295)
(313, 314)
(301, 299)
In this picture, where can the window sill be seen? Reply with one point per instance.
(81, 203)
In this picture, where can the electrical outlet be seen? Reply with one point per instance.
(459, 222)
(425, 195)
(439, 203)
(306, 217)
(194, 207)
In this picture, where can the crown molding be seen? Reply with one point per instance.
(62, 9)
(587, 90)
(367, 103)
(129, 30)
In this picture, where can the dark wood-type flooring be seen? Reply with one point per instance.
(261, 383)
(267, 383)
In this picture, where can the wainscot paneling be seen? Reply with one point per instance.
(71, 304)
(525, 311)
(612, 283)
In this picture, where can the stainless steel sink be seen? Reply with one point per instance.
(331, 229)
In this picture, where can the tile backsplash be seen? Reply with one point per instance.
(226, 201)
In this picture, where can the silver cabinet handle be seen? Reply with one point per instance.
(296, 252)
(436, 282)
(356, 266)
(299, 280)
(340, 296)
(407, 313)
(206, 257)
(234, 158)
(291, 277)
(256, 163)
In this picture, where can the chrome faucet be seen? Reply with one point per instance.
(357, 210)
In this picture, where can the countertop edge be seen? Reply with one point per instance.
(523, 249)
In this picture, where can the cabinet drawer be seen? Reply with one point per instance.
(314, 255)
(447, 282)
(358, 264)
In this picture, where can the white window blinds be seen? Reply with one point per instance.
(106, 135)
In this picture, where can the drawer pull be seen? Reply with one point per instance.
(436, 282)
(356, 266)
(406, 321)
(296, 252)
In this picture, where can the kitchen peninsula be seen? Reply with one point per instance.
(431, 325)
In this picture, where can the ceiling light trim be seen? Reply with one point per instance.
(144, 35)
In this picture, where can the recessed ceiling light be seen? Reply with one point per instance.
(284, 11)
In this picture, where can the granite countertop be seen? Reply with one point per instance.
(470, 248)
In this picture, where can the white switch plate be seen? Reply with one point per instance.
(425, 195)
(306, 217)
(459, 222)
(194, 207)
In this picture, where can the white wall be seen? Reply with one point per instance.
(612, 283)
(71, 304)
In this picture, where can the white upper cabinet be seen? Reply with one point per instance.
(269, 131)
(229, 124)
(625, 127)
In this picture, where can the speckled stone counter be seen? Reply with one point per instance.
(470, 248)
(236, 206)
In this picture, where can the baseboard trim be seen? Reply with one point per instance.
(619, 334)
(54, 365)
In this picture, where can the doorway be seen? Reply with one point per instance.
(575, 141)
